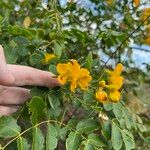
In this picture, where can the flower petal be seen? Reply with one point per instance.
(114, 96)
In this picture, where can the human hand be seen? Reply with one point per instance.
(13, 76)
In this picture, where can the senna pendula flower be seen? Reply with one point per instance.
(115, 82)
(72, 72)
(101, 95)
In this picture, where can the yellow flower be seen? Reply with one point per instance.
(82, 80)
(74, 74)
(136, 2)
(48, 57)
(101, 96)
(115, 82)
(145, 14)
(114, 96)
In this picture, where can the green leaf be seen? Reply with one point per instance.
(73, 141)
(108, 106)
(36, 107)
(37, 91)
(116, 136)
(87, 126)
(11, 54)
(22, 50)
(35, 58)
(52, 68)
(106, 129)
(128, 118)
(88, 146)
(22, 144)
(38, 139)
(20, 40)
(51, 138)
(117, 110)
(128, 139)
(89, 96)
(88, 61)
(58, 48)
(95, 140)
(54, 99)
(9, 127)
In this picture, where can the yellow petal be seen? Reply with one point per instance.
(114, 96)
(48, 57)
(61, 68)
(84, 78)
(62, 79)
(101, 96)
(116, 80)
(73, 86)
(112, 87)
(118, 69)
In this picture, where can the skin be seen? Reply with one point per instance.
(14, 76)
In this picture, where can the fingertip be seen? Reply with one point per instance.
(6, 110)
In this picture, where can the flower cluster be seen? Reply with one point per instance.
(110, 92)
(72, 73)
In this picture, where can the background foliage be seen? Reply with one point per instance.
(102, 35)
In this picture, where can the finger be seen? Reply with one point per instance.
(30, 76)
(2, 57)
(5, 77)
(6, 110)
(13, 95)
